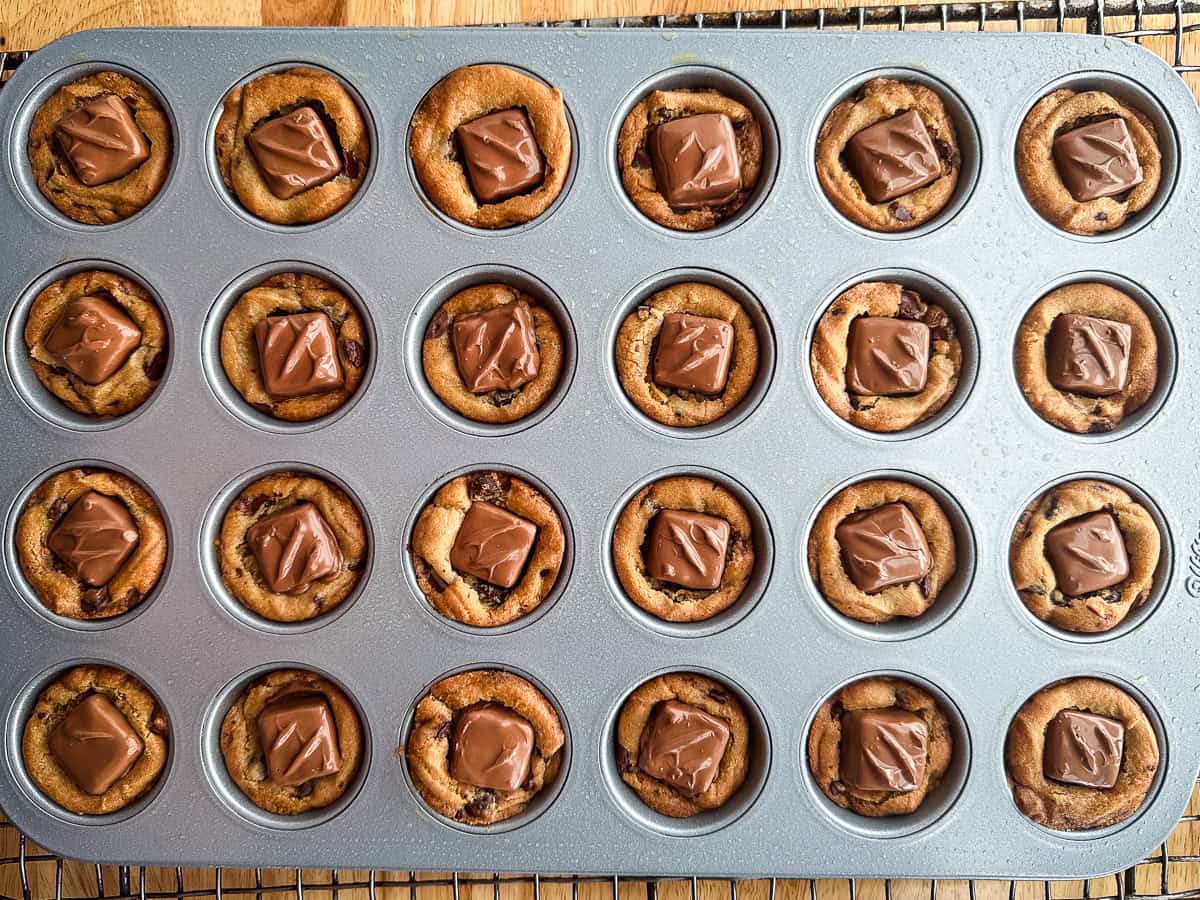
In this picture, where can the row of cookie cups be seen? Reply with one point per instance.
(49, 408)
(775, 155)
(951, 597)
(768, 755)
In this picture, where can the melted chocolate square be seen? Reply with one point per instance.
(492, 544)
(92, 338)
(683, 745)
(299, 739)
(887, 357)
(1088, 355)
(497, 349)
(696, 161)
(294, 152)
(1087, 554)
(95, 538)
(1097, 160)
(882, 547)
(95, 744)
(501, 155)
(293, 548)
(1083, 748)
(297, 355)
(883, 750)
(101, 140)
(687, 548)
(693, 353)
(893, 157)
(491, 747)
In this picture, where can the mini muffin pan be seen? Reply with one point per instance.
(781, 649)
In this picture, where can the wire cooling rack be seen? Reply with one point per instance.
(1171, 873)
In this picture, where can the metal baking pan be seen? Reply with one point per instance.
(193, 445)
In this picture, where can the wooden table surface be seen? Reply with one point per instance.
(28, 24)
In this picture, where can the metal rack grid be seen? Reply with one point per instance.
(1163, 875)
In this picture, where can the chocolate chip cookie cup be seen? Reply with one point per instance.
(675, 122)
(1095, 356)
(887, 754)
(862, 177)
(272, 312)
(489, 550)
(1096, 156)
(685, 752)
(689, 552)
(1090, 557)
(87, 545)
(255, 735)
(693, 352)
(98, 145)
(286, 548)
(518, 319)
(457, 728)
(1083, 755)
(93, 743)
(492, 147)
(291, 146)
(890, 555)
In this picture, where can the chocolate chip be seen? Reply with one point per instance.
(503, 398)
(485, 486)
(438, 325)
(624, 763)
(481, 804)
(158, 722)
(952, 157)
(641, 159)
(911, 305)
(491, 594)
(1101, 426)
(251, 505)
(899, 213)
(304, 790)
(353, 351)
(1050, 506)
(157, 366)
(58, 508)
(352, 167)
(1101, 217)
(95, 599)
(444, 730)
(719, 695)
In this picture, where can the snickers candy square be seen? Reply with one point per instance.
(496, 350)
(882, 547)
(1083, 748)
(94, 538)
(491, 747)
(893, 157)
(492, 544)
(883, 750)
(294, 152)
(1087, 554)
(92, 338)
(95, 744)
(293, 548)
(887, 357)
(299, 739)
(682, 745)
(687, 548)
(102, 141)
(696, 161)
(501, 155)
(693, 353)
(1097, 160)
(1088, 355)
(297, 355)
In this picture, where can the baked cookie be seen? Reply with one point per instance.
(883, 358)
(858, 165)
(688, 355)
(98, 342)
(1083, 555)
(1086, 357)
(683, 744)
(294, 316)
(483, 744)
(1080, 754)
(1087, 161)
(292, 742)
(91, 543)
(292, 546)
(487, 549)
(100, 148)
(493, 353)
(689, 159)
(292, 146)
(491, 146)
(96, 740)
(879, 746)
(881, 550)
(683, 548)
